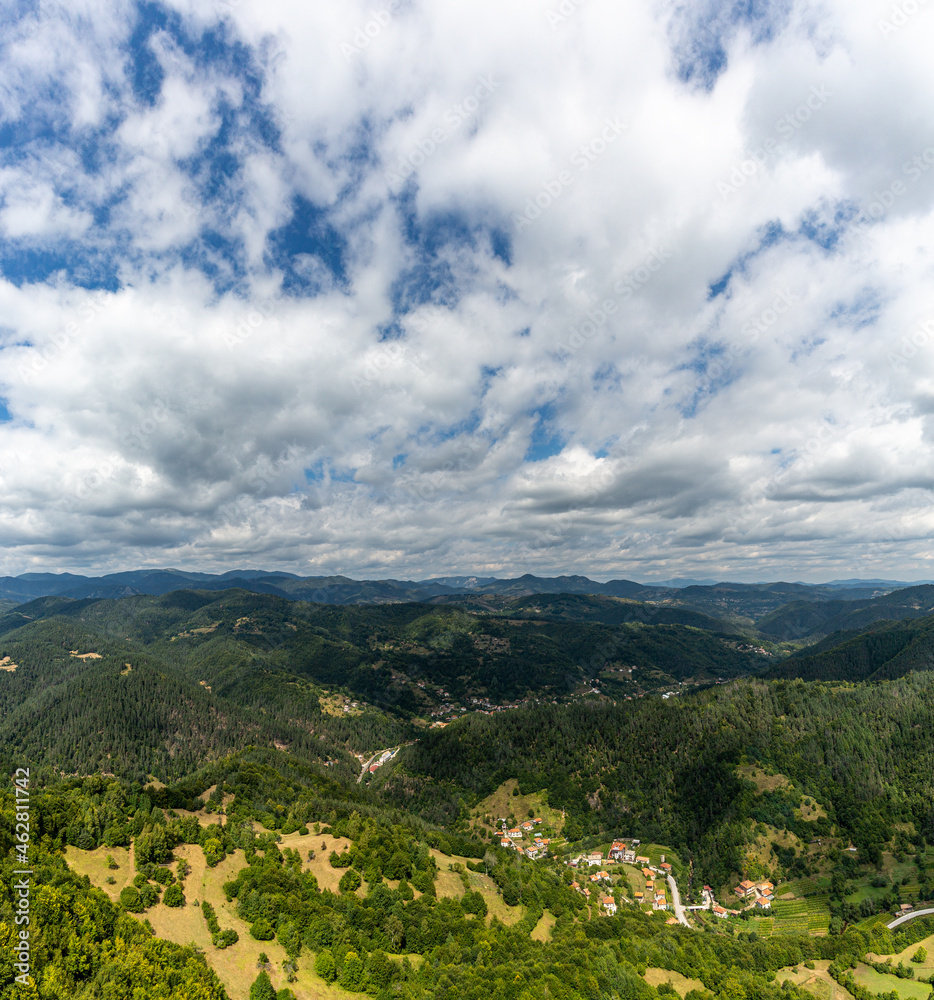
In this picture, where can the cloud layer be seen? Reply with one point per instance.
(624, 288)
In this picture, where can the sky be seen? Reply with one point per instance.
(627, 288)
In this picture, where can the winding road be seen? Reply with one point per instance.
(910, 916)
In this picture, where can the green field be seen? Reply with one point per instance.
(878, 982)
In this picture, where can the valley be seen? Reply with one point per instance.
(396, 798)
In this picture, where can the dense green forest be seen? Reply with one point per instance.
(667, 770)
(154, 685)
(385, 931)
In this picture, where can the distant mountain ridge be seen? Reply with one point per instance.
(343, 590)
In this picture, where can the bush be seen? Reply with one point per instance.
(262, 930)
(174, 896)
(350, 881)
(325, 967)
(130, 899)
(214, 851)
(919, 956)
(224, 939)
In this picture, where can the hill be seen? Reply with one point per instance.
(800, 619)
(883, 651)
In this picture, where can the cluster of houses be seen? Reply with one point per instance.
(511, 837)
(762, 893)
(623, 852)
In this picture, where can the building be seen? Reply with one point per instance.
(762, 903)
(618, 850)
(609, 904)
(718, 911)
(514, 833)
(596, 858)
(745, 888)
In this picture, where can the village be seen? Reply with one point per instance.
(652, 891)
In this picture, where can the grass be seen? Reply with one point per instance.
(682, 985)
(543, 929)
(763, 782)
(235, 966)
(816, 981)
(502, 803)
(94, 865)
(878, 982)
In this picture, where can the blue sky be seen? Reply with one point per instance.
(632, 289)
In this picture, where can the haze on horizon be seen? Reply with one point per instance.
(634, 289)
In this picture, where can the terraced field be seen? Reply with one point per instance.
(807, 913)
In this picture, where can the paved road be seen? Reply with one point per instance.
(676, 902)
(910, 916)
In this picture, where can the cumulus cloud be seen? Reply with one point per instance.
(627, 289)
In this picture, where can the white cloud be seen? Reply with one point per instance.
(204, 413)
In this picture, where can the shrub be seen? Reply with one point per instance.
(130, 899)
(174, 896)
(325, 967)
(262, 930)
(350, 881)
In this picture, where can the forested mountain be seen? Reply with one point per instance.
(174, 679)
(667, 770)
(805, 619)
(884, 650)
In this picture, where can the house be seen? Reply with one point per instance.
(665, 867)
(514, 833)
(505, 842)
(609, 904)
(762, 903)
(639, 897)
(595, 858)
(661, 903)
(642, 861)
(618, 850)
(538, 820)
(744, 889)
(574, 885)
(718, 911)
(649, 885)
(528, 825)
(646, 872)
